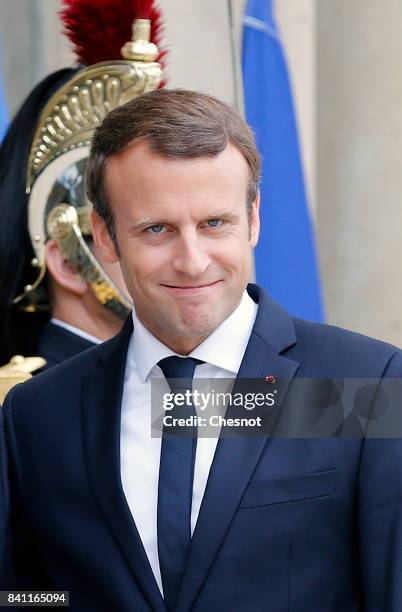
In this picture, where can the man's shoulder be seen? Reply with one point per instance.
(320, 349)
(324, 332)
(344, 352)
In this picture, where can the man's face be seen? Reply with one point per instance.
(184, 239)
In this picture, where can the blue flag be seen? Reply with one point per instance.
(3, 112)
(285, 258)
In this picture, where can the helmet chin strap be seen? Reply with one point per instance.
(64, 227)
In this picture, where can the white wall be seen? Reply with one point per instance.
(359, 154)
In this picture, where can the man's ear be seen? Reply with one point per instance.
(62, 272)
(255, 221)
(103, 239)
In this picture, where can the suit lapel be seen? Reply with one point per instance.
(102, 396)
(236, 458)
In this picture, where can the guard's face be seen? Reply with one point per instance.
(184, 239)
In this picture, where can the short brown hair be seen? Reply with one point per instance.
(177, 123)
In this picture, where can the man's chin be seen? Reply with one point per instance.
(201, 320)
(189, 326)
(195, 331)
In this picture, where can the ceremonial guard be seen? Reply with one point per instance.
(57, 296)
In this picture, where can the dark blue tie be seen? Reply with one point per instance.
(175, 487)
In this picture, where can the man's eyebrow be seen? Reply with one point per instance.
(223, 214)
(147, 221)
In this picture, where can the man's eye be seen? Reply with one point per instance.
(214, 222)
(156, 229)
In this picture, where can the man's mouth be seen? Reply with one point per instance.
(193, 289)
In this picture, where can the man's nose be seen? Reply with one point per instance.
(191, 256)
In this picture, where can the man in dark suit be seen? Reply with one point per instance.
(127, 521)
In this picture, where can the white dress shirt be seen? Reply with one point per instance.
(222, 353)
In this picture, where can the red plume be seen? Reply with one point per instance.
(99, 28)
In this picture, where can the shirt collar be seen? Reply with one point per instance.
(76, 331)
(224, 348)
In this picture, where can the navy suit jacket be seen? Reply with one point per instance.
(310, 525)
